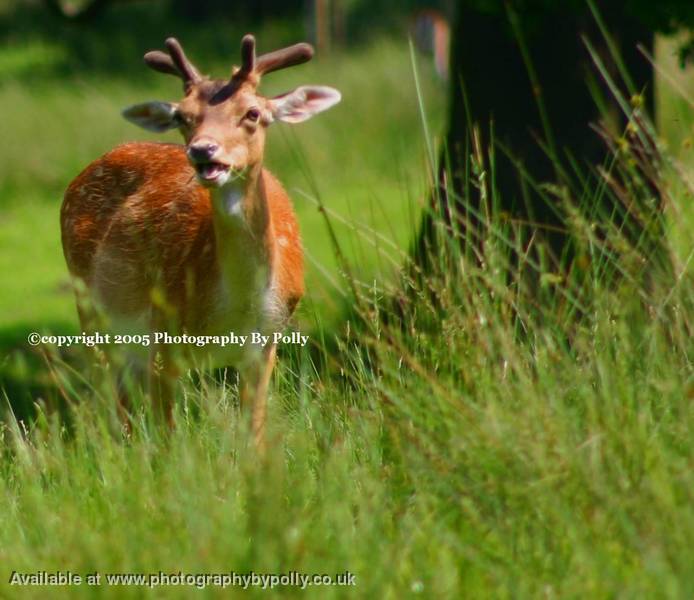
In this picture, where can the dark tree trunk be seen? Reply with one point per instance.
(490, 83)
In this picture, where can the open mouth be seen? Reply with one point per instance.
(211, 171)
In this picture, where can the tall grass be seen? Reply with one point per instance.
(469, 446)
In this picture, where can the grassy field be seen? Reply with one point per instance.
(491, 438)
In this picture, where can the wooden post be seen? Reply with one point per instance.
(321, 13)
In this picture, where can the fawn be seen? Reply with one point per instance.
(198, 238)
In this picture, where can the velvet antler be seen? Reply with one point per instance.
(272, 61)
(175, 63)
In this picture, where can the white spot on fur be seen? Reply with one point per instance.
(231, 199)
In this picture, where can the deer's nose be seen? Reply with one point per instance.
(202, 150)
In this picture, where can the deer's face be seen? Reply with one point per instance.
(222, 122)
(224, 133)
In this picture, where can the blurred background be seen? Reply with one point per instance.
(68, 68)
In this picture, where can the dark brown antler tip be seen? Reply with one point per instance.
(185, 67)
(161, 62)
(286, 57)
(248, 53)
(172, 44)
(305, 52)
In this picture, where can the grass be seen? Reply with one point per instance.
(486, 439)
(468, 463)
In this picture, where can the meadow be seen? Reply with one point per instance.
(461, 445)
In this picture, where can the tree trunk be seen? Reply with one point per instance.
(491, 83)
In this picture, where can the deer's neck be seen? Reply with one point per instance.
(243, 232)
(241, 203)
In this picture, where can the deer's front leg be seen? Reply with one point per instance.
(163, 375)
(254, 382)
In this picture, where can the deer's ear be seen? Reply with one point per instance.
(303, 103)
(155, 116)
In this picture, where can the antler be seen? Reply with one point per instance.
(272, 61)
(247, 56)
(176, 63)
(286, 57)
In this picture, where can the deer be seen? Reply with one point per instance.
(199, 237)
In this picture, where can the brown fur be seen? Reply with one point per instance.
(136, 219)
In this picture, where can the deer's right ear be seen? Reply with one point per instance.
(155, 116)
(303, 103)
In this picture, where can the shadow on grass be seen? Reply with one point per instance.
(24, 377)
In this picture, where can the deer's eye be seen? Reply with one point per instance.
(252, 115)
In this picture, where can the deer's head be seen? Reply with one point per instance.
(223, 122)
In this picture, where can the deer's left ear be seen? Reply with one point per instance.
(303, 103)
(155, 116)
